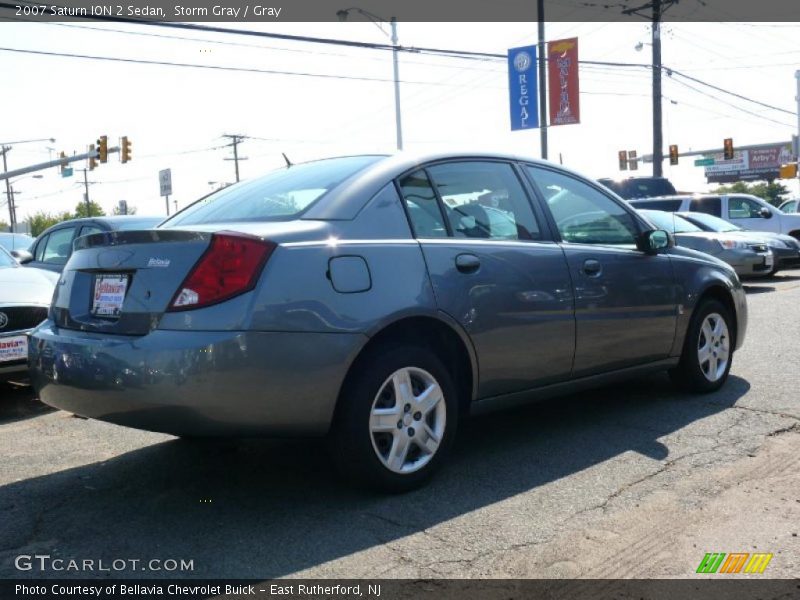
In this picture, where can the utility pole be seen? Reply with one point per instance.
(9, 193)
(542, 81)
(658, 8)
(658, 141)
(86, 193)
(235, 141)
(797, 158)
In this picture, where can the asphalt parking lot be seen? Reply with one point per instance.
(635, 480)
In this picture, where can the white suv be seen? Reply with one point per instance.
(744, 210)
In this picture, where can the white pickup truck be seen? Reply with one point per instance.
(748, 212)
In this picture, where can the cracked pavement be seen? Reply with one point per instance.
(634, 480)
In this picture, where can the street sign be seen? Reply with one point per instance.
(165, 181)
(703, 162)
(66, 172)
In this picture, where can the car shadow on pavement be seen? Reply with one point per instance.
(758, 289)
(17, 402)
(272, 508)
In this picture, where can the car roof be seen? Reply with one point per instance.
(111, 221)
(345, 200)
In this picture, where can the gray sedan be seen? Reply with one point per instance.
(376, 300)
(750, 256)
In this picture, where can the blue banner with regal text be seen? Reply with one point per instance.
(523, 89)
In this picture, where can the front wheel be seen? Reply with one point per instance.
(396, 420)
(707, 351)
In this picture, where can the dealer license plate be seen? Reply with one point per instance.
(13, 348)
(109, 294)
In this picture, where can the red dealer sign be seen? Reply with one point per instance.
(562, 64)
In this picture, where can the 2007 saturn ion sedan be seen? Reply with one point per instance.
(378, 299)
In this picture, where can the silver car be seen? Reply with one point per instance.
(750, 256)
(378, 299)
(25, 296)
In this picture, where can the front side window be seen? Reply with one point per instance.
(743, 208)
(58, 246)
(486, 200)
(710, 206)
(279, 196)
(39, 252)
(582, 213)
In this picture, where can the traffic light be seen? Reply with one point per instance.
(788, 171)
(92, 159)
(102, 148)
(64, 163)
(623, 160)
(633, 163)
(125, 149)
(673, 154)
(727, 146)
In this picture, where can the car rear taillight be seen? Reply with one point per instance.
(230, 266)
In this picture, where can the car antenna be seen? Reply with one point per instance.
(286, 158)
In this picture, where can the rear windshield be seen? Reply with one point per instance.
(669, 222)
(279, 196)
(712, 223)
(134, 224)
(641, 187)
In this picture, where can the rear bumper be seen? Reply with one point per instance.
(195, 383)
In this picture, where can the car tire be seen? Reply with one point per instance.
(708, 343)
(396, 419)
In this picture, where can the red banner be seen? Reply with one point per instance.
(562, 66)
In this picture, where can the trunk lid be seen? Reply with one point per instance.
(121, 282)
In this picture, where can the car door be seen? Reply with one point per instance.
(53, 251)
(746, 213)
(625, 299)
(495, 269)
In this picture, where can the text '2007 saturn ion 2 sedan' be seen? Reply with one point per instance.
(377, 299)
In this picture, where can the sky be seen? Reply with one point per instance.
(176, 116)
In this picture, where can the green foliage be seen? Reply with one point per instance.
(4, 226)
(92, 210)
(774, 192)
(43, 219)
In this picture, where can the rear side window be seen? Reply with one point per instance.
(422, 206)
(665, 205)
(710, 206)
(279, 196)
(485, 200)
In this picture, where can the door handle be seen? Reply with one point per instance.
(592, 268)
(467, 263)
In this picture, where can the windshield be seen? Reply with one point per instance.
(279, 196)
(6, 260)
(712, 223)
(669, 222)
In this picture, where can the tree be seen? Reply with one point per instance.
(43, 219)
(772, 192)
(4, 226)
(93, 210)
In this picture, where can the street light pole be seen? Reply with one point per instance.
(9, 193)
(398, 124)
(343, 14)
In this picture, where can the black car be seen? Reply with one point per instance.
(53, 247)
(639, 187)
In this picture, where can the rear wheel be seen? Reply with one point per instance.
(707, 351)
(396, 420)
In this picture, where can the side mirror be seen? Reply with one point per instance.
(650, 242)
(23, 256)
(765, 213)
